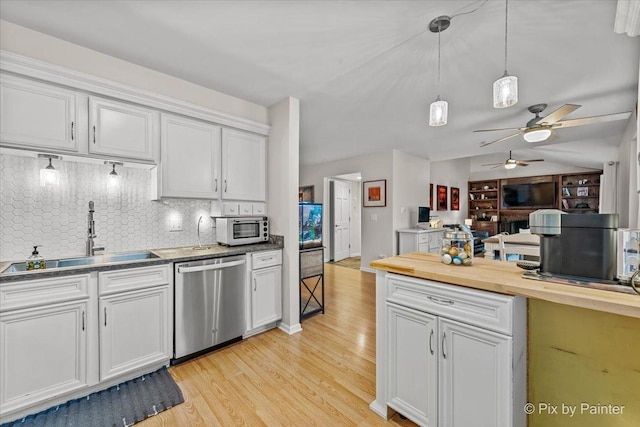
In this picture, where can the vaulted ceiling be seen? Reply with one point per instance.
(365, 71)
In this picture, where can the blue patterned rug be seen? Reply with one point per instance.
(121, 405)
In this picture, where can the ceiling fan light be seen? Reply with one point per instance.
(438, 112)
(510, 165)
(505, 91)
(537, 135)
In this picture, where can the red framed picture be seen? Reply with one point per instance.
(441, 197)
(374, 193)
(455, 199)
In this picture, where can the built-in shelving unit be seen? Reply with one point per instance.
(580, 193)
(576, 193)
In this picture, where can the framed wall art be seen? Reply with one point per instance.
(441, 191)
(305, 194)
(455, 199)
(374, 193)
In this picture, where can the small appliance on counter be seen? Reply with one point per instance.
(628, 253)
(582, 246)
(234, 231)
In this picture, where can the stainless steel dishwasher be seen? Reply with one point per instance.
(209, 305)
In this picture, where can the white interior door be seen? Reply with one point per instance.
(341, 206)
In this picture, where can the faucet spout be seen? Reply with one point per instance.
(199, 221)
(91, 232)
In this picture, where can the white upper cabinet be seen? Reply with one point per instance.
(37, 115)
(244, 161)
(121, 130)
(189, 159)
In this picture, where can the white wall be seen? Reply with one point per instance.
(410, 189)
(282, 194)
(356, 219)
(452, 173)
(628, 205)
(377, 235)
(24, 41)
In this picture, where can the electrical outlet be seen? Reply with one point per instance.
(175, 223)
(175, 226)
(403, 210)
(374, 217)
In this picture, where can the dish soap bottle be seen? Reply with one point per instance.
(35, 261)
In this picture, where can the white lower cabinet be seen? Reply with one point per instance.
(45, 335)
(265, 301)
(43, 353)
(133, 330)
(455, 357)
(64, 337)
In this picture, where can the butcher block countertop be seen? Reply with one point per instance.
(506, 278)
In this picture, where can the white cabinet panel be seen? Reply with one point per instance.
(413, 353)
(475, 377)
(266, 296)
(121, 130)
(37, 115)
(135, 330)
(189, 158)
(244, 160)
(43, 352)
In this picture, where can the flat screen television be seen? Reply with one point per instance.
(424, 213)
(529, 195)
(310, 225)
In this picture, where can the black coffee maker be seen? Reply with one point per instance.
(580, 245)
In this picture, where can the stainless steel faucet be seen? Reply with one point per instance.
(91, 233)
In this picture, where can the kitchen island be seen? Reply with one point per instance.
(582, 343)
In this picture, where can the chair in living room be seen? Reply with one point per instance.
(521, 244)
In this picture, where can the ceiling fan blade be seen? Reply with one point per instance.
(532, 160)
(496, 167)
(496, 130)
(592, 119)
(485, 143)
(553, 117)
(493, 164)
(521, 163)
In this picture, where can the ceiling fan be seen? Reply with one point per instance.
(540, 128)
(512, 163)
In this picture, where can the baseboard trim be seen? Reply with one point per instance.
(367, 269)
(290, 329)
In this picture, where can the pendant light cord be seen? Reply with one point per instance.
(439, 32)
(506, 17)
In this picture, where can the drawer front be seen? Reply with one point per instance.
(32, 293)
(133, 278)
(245, 209)
(479, 308)
(423, 238)
(265, 259)
(230, 209)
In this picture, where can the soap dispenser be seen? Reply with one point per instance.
(35, 261)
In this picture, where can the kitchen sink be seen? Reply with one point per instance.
(82, 261)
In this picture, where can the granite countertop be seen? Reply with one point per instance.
(165, 255)
(506, 278)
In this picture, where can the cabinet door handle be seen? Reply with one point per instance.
(441, 301)
(444, 343)
(431, 342)
(72, 131)
(225, 185)
(94, 134)
(216, 181)
(105, 316)
(83, 320)
(255, 284)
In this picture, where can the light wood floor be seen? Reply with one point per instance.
(323, 376)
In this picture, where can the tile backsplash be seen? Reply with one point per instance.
(55, 218)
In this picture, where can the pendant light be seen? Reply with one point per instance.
(49, 176)
(113, 182)
(439, 109)
(505, 89)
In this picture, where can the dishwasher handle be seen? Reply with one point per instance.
(186, 269)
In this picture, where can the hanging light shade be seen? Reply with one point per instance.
(505, 89)
(113, 181)
(438, 112)
(439, 109)
(49, 176)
